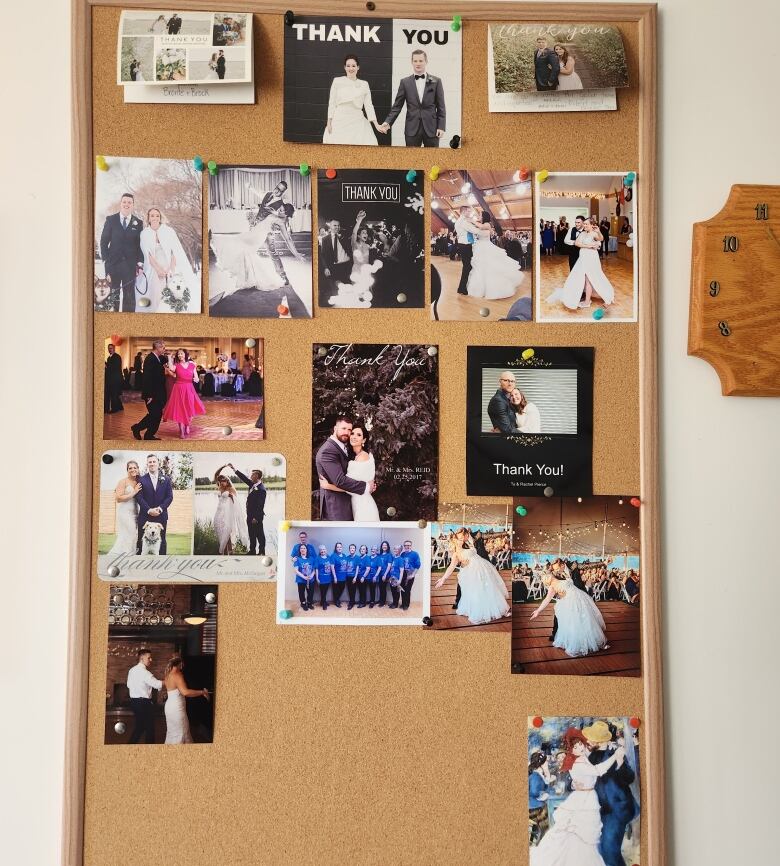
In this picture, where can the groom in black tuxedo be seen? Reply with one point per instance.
(120, 249)
(547, 67)
(220, 31)
(112, 384)
(154, 499)
(153, 391)
(174, 24)
(221, 65)
(500, 410)
(331, 461)
(255, 509)
(571, 237)
(335, 256)
(423, 96)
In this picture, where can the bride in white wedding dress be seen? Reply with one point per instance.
(127, 511)
(483, 591)
(176, 722)
(586, 275)
(493, 274)
(362, 467)
(230, 517)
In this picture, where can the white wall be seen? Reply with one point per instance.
(717, 125)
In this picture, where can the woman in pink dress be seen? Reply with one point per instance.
(183, 403)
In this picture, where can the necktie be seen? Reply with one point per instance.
(470, 237)
(417, 77)
(124, 222)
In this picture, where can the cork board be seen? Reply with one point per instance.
(304, 768)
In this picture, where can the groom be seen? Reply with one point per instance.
(154, 499)
(466, 232)
(255, 509)
(547, 67)
(423, 96)
(331, 461)
(153, 391)
(500, 410)
(120, 250)
(571, 239)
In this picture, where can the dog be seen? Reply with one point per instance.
(103, 303)
(152, 538)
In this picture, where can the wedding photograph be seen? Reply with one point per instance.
(576, 586)
(161, 664)
(210, 64)
(260, 245)
(229, 28)
(481, 246)
(137, 59)
(353, 573)
(471, 567)
(372, 81)
(529, 420)
(375, 432)
(370, 241)
(170, 64)
(144, 22)
(583, 790)
(163, 388)
(586, 253)
(148, 236)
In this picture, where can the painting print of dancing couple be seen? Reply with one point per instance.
(583, 791)
(260, 224)
(375, 432)
(576, 586)
(586, 269)
(148, 215)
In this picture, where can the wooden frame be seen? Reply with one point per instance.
(642, 14)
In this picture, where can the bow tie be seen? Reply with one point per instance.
(418, 76)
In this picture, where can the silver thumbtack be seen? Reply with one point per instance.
(391, 512)
(227, 430)
(211, 597)
(433, 350)
(113, 571)
(548, 491)
(250, 342)
(401, 298)
(120, 727)
(266, 561)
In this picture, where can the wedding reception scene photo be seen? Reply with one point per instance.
(471, 567)
(576, 586)
(161, 664)
(375, 432)
(350, 573)
(260, 253)
(148, 236)
(481, 246)
(586, 230)
(205, 388)
(370, 239)
(372, 81)
(584, 790)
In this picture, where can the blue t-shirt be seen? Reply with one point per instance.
(397, 567)
(377, 567)
(353, 563)
(364, 562)
(411, 560)
(310, 551)
(305, 565)
(339, 563)
(324, 569)
(385, 559)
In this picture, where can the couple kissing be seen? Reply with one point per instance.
(346, 470)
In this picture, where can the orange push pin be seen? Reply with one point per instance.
(330, 173)
(524, 172)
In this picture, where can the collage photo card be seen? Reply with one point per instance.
(260, 250)
(586, 264)
(148, 236)
(161, 664)
(576, 586)
(353, 573)
(583, 790)
(481, 245)
(375, 426)
(529, 422)
(205, 388)
(186, 516)
(372, 81)
(370, 240)
(471, 567)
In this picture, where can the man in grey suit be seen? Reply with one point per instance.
(331, 461)
(500, 410)
(423, 96)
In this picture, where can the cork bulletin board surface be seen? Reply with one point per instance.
(357, 745)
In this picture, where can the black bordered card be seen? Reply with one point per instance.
(529, 421)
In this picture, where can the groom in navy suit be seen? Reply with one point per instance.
(120, 250)
(154, 500)
(547, 67)
(255, 509)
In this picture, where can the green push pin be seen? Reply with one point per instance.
(305, 169)
(456, 22)
(521, 510)
(212, 166)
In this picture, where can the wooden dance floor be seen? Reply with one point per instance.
(240, 414)
(462, 308)
(554, 270)
(444, 616)
(532, 649)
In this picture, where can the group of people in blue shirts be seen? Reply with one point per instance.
(366, 573)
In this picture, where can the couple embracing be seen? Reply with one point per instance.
(346, 471)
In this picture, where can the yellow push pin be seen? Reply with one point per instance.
(434, 172)
(527, 354)
(101, 163)
(542, 175)
(285, 525)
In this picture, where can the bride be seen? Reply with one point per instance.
(493, 274)
(586, 275)
(127, 511)
(229, 518)
(211, 75)
(576, 831)
(527, 414)
(580, 623)
(483, 591)
(357, 292)
(567, 77)
(362, 467)
(176, 721)
(164, 257)
(350, 96)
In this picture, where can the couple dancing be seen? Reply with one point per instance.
(486, 270)
(232, 523)
(590, 824)
(348, 265)
(509, 410)
(172, 26)
(346, 472)
(586, 278)
(141, 681)
(554, 69)
(141, 500)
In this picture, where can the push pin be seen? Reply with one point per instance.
(456, 23)
(285, 526)
(542, 175)
(322, 351)
(598, 314)
(285, 614)
(113, 571)
(527, 354)
(227, 430)
(283, 310)
(213, 167)
(433, 350)
(630, 178)
(391, 512)
(289, 18)
(266, 561)
(521, 510)
(305, 167)
(524, 172)
(108, 459)
(411, 175)
(330, 173)
(635, 501)
(144, 302)
(434, 173)
(198, 163)
(635, 723)
(401, 298)
(422, 523)
(538, 721)
(210, 597)
(484, 312)
(427, 621)
(276, 461)
(120, 727)
(455, 142)
(548, 492)
(250, 342)
(100, 162)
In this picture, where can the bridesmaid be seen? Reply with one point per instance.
(183, 403)
(338, 560)
(305, 574)
(324, 574)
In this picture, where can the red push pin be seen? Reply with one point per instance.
(635, 723)
(538, 721)
(635, 501)
(524, 172)
(330, 173)
(282, 310)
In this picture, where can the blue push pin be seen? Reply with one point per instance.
(598, 314)
(630, 178)
(198, 163)
(285, 614)
(411, 175)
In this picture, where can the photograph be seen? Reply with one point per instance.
(586, 268)
(348, 573)
(576, 586)
(145, 22)
(583, 791)
(230, 28)
(375, 427)
(204, 388)
(557, 57)
(372, 81)
(481, 246)
(209, 64)
(260, 251)
(370, 240)
(148, 236)
(137, 59)
(529, 422)
(161, 664)
(471, 562)
(170, 63)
